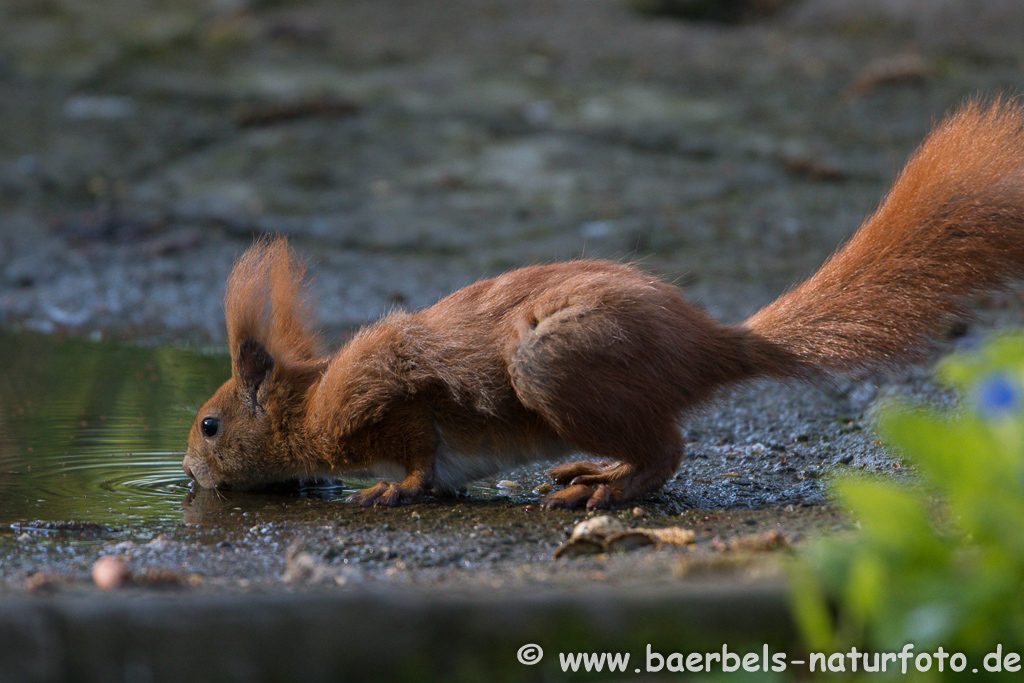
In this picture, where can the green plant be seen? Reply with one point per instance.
(940, 564)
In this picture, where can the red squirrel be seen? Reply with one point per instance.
(596, 356)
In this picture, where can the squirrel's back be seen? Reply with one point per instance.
(952, 227)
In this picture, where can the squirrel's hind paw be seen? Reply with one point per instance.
(580, 495)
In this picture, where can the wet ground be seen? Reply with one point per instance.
(93, 439)
(91, 456)
(408, 149)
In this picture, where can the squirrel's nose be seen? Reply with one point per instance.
(188, 472)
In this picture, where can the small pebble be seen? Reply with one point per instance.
(110, 572)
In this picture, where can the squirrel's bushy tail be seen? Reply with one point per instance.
(951, 227)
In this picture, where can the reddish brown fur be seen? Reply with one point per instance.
(592, 355)
(951, 227)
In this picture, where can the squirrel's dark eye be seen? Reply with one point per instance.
(209, 426)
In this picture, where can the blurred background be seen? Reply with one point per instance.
(408, 148)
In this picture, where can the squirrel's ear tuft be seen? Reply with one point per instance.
(266, 303)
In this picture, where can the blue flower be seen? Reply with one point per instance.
(997, 395)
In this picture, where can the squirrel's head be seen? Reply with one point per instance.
(250, 432)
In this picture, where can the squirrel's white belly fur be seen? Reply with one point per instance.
(454, 467)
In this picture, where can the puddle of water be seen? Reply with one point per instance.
(96, 432)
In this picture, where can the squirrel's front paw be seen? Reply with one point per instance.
(386, 493)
